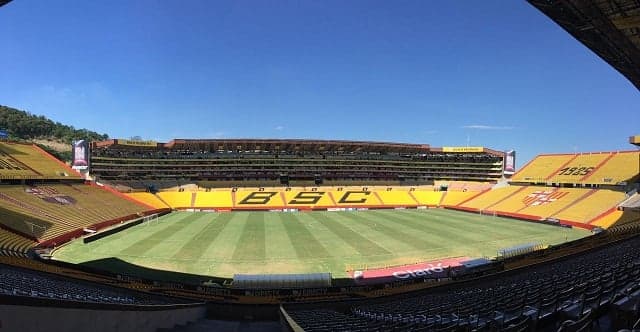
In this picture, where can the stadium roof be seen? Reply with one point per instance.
(610, 28)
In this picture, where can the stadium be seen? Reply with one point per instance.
(327, 235)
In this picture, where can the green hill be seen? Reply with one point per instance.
(55, 137)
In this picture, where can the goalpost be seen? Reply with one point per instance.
(488, 213)
(35, 227)
(151, 220)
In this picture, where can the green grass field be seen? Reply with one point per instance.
(221, 244)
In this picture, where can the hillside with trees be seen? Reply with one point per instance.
(55, 137)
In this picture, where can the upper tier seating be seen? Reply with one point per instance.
(589, 168)
(623, 166)
(540, 168)
(26, 161)
(579, 168)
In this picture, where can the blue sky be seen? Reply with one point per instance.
(492, 73)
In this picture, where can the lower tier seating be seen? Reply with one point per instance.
(575, 291)
(49, 210)
(12, 244)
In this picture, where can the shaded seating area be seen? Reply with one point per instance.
(21, 282)
(45, 211)
(600, 287)
(12, 244)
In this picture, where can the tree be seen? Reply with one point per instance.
(25, 126)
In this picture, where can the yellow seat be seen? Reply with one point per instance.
(541, 168)
(490, 198)
(33, 163)
(177, 199)
(149, 199)
(622, 167)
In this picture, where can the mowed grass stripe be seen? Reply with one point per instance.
(512, 225)
(196, 246)
(338, 248)
(497, 225)
(278, 246)
(441, 228)
(457, 221)
(454, 233)
(147, 243)
(380, 225)
(123, 239)
(379, 238)
(360, 243)
(251, 245)
(432, 229)
(497, 229)
(303, 241)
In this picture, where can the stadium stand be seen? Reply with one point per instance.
(579, 167)
(615, 217)
(12, 244)
(54, 209)
(37, 301)
(47, 210)
(177, 199)
(592, 206)
(622, 167)
(463, 185)
(605, 168)
(453, 198)
(242, 162)
(214, 199)
(396, 197)
(149, 199)
(491, 198)
(13, 169)
(539, 200)
(578, 206)
(581, 289)
(22, 282)
(32, 227)
(26, 161)
(427, 197)
(540, 168)
(308, 198)
(266, 198)
(258, 198)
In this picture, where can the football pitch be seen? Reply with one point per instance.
(222, 244)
